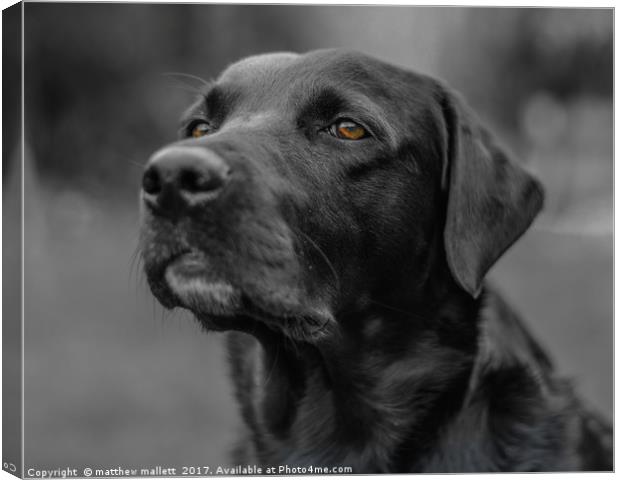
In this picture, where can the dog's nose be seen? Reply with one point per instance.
(179, 177)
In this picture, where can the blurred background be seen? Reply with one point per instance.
(111, 379)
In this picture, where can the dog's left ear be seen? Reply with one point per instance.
(491, 199)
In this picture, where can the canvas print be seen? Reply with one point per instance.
(297, 239)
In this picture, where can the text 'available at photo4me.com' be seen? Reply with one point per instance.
(183, 471)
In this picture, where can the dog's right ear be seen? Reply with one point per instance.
(491, 202)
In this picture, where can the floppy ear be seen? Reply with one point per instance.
(491, 199)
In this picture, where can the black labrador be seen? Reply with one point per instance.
(339, 215)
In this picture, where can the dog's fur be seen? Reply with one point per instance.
(352, 273)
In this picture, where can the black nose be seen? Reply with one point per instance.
(180, 177)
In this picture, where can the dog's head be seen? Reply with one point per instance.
(305, 186)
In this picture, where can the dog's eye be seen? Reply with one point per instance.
(347, 130)
(199, 129)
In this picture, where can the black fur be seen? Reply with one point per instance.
(351, 273)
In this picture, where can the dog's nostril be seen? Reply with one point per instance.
(180, 177)
(200, 181)
(151, 183)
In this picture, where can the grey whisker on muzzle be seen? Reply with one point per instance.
(323, 255)
(135, 266)
(398, 310)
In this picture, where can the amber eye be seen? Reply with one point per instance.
(199, 129)
(347, 130)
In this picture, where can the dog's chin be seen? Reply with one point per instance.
(219, 305)
(195, 288)
(202, 296)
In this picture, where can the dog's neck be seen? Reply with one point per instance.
(381, 386)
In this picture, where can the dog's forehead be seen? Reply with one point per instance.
(257, 67)
(287, 69)
(285, 82)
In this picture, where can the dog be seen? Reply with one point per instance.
(337, 216)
